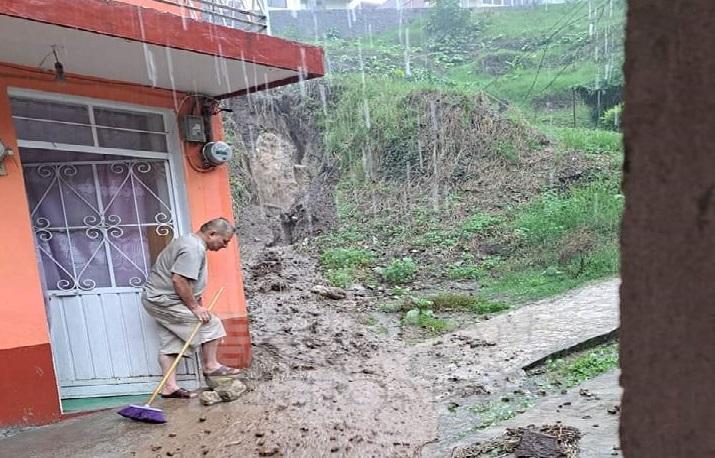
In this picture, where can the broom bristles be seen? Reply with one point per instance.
(144, 414)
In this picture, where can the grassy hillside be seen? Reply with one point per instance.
(530, 58)
(461, 163)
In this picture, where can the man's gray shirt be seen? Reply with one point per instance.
(185, 256)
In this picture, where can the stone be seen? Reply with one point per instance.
(209, 398)
(230, 391)
(214, 381)
(329, 291)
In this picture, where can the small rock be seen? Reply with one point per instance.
(202, 419)
(155, 448)
(230, 391)
(207, 398)
(172, 434)
(329, 291)
(334, 450)
(612, 411)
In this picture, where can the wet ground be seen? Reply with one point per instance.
(332, 378)
(593, 408)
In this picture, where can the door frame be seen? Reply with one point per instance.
(174, 157)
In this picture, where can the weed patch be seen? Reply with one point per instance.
(427, 320)
(399, 271)
(340, 258)
(571, 371)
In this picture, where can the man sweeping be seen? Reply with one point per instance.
(172, 296)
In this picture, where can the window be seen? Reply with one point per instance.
(87, 125)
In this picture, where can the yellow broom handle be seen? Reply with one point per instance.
(181, 353)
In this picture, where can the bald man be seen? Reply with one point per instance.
(172, 296)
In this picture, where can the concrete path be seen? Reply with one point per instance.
(502, 346)
(465, 366)
(593, 408)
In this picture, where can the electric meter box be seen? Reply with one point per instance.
(217, 153)
(193, 127)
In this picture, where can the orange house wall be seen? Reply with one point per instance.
(24, 336)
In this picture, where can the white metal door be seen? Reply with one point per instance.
(100, 217)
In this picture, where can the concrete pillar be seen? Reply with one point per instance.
(668, 240)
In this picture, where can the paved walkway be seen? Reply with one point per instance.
(489, 356)
(509, 342)
(585, 407)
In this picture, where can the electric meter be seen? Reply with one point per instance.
(217, 153)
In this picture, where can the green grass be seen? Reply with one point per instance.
(572, 371)
(522, 85)
(534, 22)
(464, 272)
(338, 258)
(557, 374)
(465, 302)
(596, 206)
(341, 278)
(342, 266)
(497, 411)
(589, 140)
(563, 241)
(425, 319)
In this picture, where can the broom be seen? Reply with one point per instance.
(146, 413)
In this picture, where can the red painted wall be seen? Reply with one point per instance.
(29, 391)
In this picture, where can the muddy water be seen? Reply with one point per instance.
(322, 383)
(328, 381)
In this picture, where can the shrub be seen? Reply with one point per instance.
(447, 19)
(464, 272)
(400, 271)
(611, 118)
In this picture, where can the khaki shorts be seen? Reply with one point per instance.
(176, 323)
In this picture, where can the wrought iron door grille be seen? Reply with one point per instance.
(99, 224)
